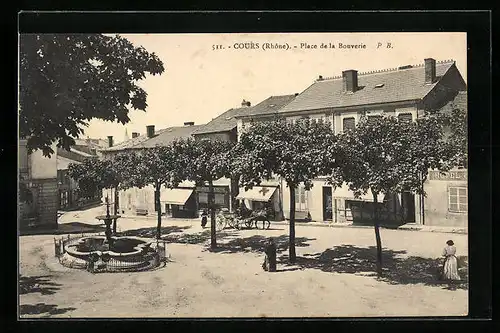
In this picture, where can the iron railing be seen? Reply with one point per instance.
(98, 261)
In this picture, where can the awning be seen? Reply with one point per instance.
(257, 193)
(63, 163)
(176, 196)
(344, 193)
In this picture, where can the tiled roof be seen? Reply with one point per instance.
(63, 162)
(161, 137)
(392, 85)
(73, 154)
(228, 120)
(458, 102)
(269, 106)
(224, 122)
(168, 135)
(130, 143)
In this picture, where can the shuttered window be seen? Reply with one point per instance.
(457, 199)
(348, 124)
(301, 203)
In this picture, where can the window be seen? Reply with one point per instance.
(63, 199)
(348, 124)
(405, 117)
(203, 197)
(457, 199)
(219, 199)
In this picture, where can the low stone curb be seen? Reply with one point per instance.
(327, 225)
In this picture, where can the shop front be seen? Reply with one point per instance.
(261, 198)
(179, 202)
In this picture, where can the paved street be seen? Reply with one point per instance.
(333, 276)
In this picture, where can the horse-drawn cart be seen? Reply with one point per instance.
(226, 219)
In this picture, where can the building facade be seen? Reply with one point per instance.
(227, 126)
(406, 93)
(69, 198)
(179, 202)
(38, 182)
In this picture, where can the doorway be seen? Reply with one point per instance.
(408, 207)
(327, 204)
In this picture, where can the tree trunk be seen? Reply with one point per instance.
(291, 240)
(422, 202)
(158, 206)
(116, 210)
(376, 225)
(211, 206)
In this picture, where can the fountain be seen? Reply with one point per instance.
(111, 253)
(108, 219)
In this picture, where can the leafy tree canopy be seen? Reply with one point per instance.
(205, 159)
(67, 80)
(455, 136)
(160, 165)
(294, 151)
(384, 155)
(93, 175)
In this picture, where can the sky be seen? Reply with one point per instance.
(207, 74)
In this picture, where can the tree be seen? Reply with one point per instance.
(158, 166)
(93, 175)
(293, 151)
(67, 80)
(383, 155)
(455, 136)
(206, 161)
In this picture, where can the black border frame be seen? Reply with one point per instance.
(477, 24)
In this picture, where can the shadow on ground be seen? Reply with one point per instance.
(42, 308)
(151, 232)
(65, 228)
(37, 284)
(397, 269)
(257, 243)
(194, 238)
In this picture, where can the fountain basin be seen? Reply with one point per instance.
(127, 253)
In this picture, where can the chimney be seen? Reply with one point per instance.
(296, 94)
(245, 103)
(135, 135)
(110, 141)
(350, 79)
(430, 70)
(189, 123)
(320, 77)
(150, 130)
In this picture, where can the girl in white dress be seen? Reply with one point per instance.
(450, 267)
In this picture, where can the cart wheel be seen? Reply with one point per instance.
(265, 224)
(268, 224)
